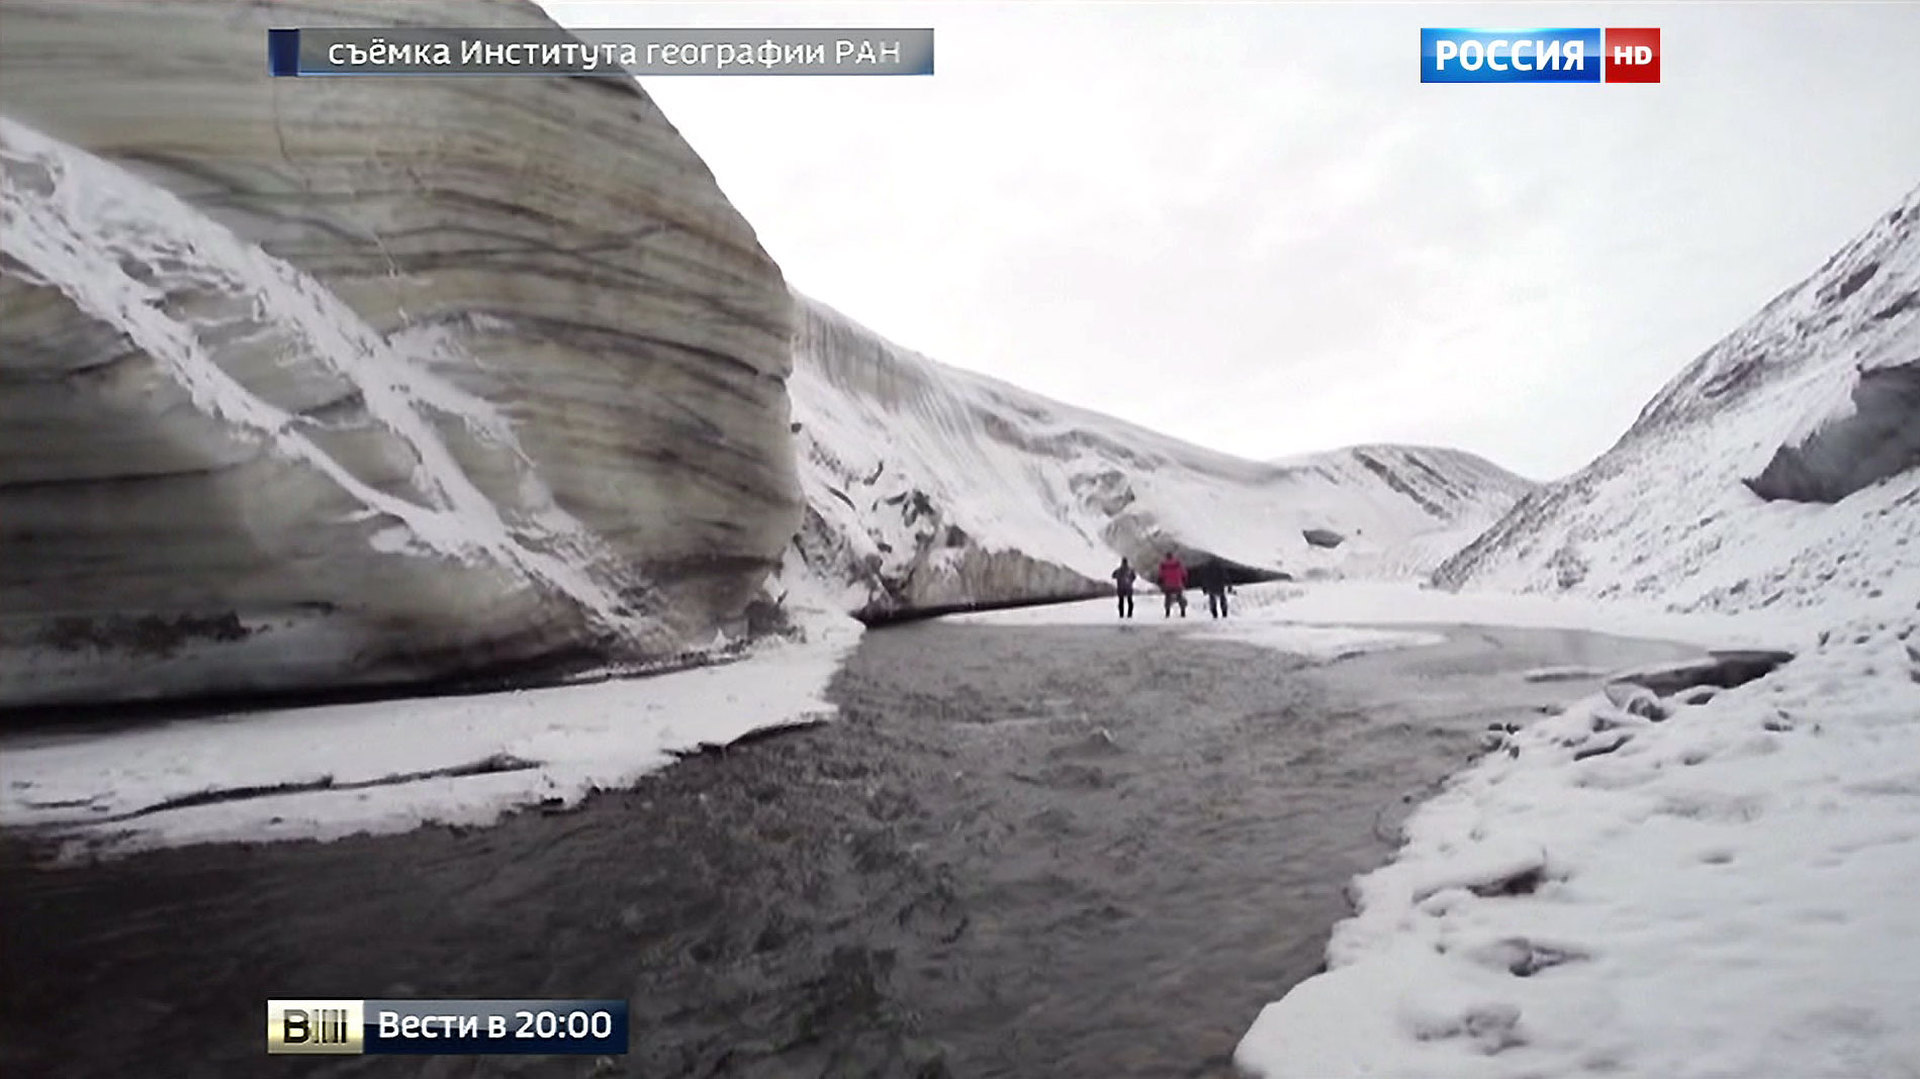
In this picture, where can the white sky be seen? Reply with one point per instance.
(1249, 225)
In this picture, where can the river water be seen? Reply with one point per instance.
(1020, 851)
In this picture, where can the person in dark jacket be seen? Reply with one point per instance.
(1123, 579)
(1173, 582)
(1212, 579)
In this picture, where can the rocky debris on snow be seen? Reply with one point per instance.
(1600, 749)
(1879, 438)
(1721, 669)
(1523, 957)
(1696, 694)
(1636, 700)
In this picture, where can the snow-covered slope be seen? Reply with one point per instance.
(1781, 468)
(363, 380)
(928, 486)
(1558, 907)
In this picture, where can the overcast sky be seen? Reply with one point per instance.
(1249, 225)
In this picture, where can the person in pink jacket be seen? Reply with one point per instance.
(1173, 583)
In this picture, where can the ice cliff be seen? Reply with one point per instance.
(1781, 469)
(363, 381)
(930, 487)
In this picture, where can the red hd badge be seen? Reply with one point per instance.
(1633, 55)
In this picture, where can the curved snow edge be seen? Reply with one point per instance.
(1557, 907)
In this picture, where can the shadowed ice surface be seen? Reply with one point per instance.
(1062, 851)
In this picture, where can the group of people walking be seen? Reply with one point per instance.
(1211, 577)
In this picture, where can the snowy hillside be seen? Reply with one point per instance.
(928, 486)
(1781, 468)
(1556, 909)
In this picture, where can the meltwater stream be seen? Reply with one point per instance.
(1088, 851)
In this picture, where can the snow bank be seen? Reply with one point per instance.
(384, 766)
(1261, 623)
(1403, 603)
(1729, 892)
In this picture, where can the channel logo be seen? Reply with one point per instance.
(315, 1026)
(1577, 54)
(1633, 55)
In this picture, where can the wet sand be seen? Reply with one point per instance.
(1034, 851)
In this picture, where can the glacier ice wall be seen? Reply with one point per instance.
(932, 487)
(356, 381)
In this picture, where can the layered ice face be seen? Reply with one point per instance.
(358, 384)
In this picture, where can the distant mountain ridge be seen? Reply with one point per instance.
(1780, 467)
